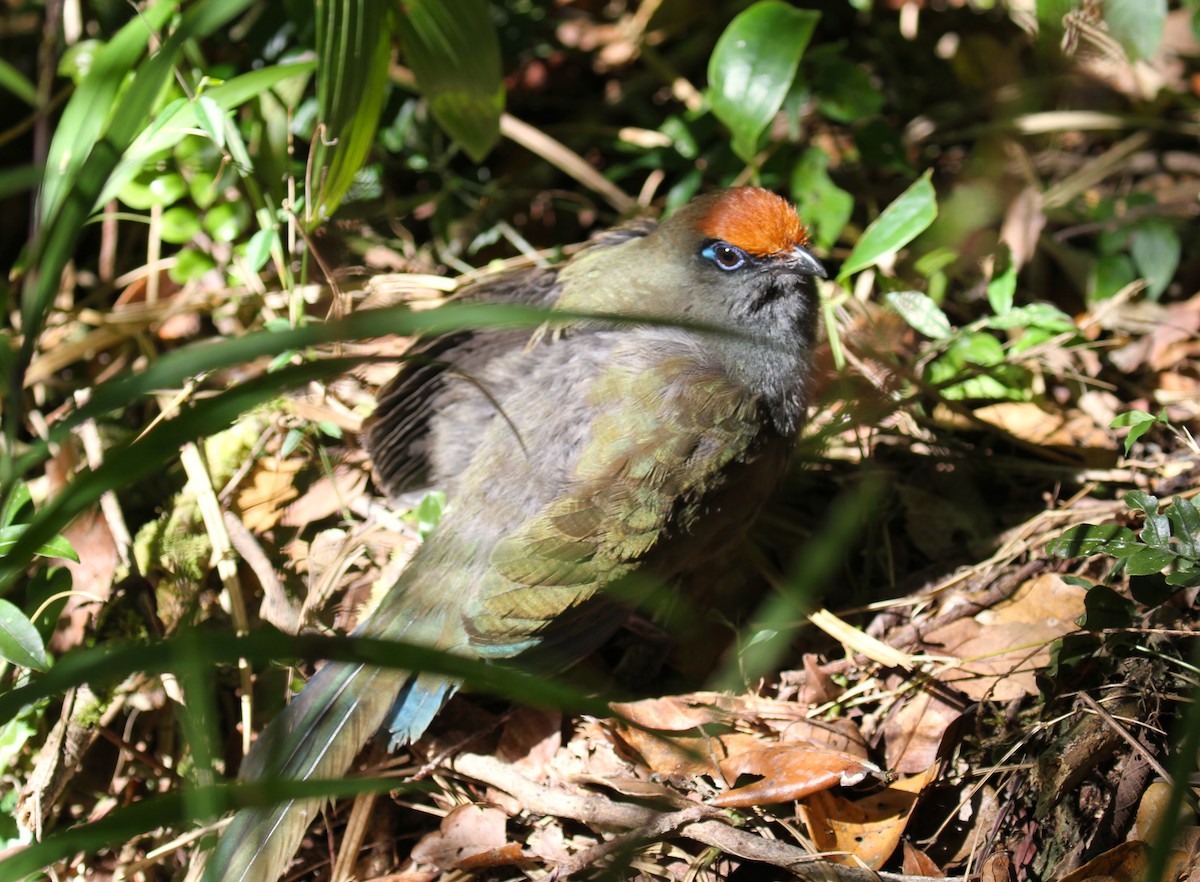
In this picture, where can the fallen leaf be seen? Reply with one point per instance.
(1001, 649)
(272, 485)
(467, 832)
(918, 863)
(863, 832)
(1128, 862)
(790, 772)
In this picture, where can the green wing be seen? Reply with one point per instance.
(663, 443)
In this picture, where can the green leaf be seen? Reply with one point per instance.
(55, 547)
(1137, 25)
(212, 119)
(1033, 315)
(1105, 608)
(179, 120)
(1085, 540)
(17, 499)
(454, 52)
(1109, 275)
(845, 92)
(752, 67)
(69, 196)
(354, 41)
(1149, 561)
(179, 224)
(921, 313)
(1156, 251)
(86, 114)
(20, 643)
(1186, 520)
(906, 218)
(258, 252)
(1002, 289)
(824, 206)
(16, 83)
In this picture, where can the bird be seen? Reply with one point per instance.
(640, 437)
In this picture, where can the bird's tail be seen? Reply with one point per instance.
(317, 736)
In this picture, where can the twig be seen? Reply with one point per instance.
(602, 813)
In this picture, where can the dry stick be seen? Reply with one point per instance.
(226, 563)
(602, 813)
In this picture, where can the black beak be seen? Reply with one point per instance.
(804, 262)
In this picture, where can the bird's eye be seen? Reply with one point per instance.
(724, 255)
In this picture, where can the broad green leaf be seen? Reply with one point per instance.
(823, 205)
(1137, 25)
(1034, 315)
(921, 313)
(55, 546)
(1088, 539)
(16, 83)
(1001, 290)
(752, 67)
(1148, 561)
(1139, 423)
(211, 118)
(1109, 275)
(1186, 520)
(454, 53)
(845, 92)
(17, 499)
(1156, 251)
(20, 643)
(152, 188)
(258, 252)
(906, 218)
(180, 224)
(354, 43)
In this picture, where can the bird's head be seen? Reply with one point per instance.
(748, 260)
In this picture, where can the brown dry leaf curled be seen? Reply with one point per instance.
(790, 772)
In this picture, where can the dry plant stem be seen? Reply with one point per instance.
(93, 449)
(565, 160)
(276, 607)
(602, 813)
(226, 564)
(628, 842)
(1137, 746)
(352, 837)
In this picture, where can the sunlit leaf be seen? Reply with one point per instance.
(354, 43)
(921, 313)
(906, 218)
(752, 68)
(20, 643)
(454, 53)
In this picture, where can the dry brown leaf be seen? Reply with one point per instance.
(530, 739)
(914, 733)
(1069, 428)
(1128, 862)
(918, 863)
(327, 496)
(468, 832)
(819, 687)
(1023, 224)
(863, 832)
(272, 486)
(997, 868)
(790, 772)
(1001, 648)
